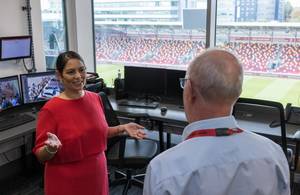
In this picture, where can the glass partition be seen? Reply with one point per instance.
(264, 34)
(54, 30)
(161, 34)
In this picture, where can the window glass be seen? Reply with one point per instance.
(147, 33)
(264, 34)
(54, 30)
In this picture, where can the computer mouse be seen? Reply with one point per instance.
(33, 110)
(163, 109)
(297, 135)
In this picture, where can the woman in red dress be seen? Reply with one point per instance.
(71, 134)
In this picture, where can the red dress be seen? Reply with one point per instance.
(79, 166)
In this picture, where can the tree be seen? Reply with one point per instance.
(295, 15)
(288, 8)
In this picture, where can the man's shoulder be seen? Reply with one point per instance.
(255, 147)
(201, 151)
(262, 141)
(174, 152)
(171, 162)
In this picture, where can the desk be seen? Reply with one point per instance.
(18, 137)
(175, 115)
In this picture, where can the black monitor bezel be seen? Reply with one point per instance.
(135, 93)
(33, 74)
(15, 37)
(169, 87)
(174, 93)
(19, 89)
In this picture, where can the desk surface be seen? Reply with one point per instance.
(176, 115)
(18, 131)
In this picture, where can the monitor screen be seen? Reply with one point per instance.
(15, 47)
(140, 81)
(40, 86)
(9, 92)
(174, 91)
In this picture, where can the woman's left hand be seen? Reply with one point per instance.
(134, 130)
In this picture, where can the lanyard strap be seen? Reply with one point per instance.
(214, 132)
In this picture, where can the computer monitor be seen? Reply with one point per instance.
(15, 47)
(40, 86)
(9, 92)
(173, 89)
(144, 82)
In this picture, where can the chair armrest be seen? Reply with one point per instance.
(297, 140)
(290, 157)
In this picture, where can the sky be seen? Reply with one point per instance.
(295, 3)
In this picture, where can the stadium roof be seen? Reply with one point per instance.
(225, 24)
(262, 24)
(146, 23)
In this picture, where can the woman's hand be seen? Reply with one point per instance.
(134, 130)
(52, 143)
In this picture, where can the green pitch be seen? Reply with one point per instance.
(284, 90)
(109, 72)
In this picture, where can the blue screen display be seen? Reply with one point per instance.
(41, 86)
(9, 92)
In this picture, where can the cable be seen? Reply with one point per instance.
(27, 8)
(27, 69)
(6, 157)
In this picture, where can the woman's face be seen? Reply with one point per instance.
(73, 76)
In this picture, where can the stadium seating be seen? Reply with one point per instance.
(271, 58)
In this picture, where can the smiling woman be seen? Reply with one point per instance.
(72, 74)
(70, 140)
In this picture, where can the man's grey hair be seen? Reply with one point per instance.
(217, 75)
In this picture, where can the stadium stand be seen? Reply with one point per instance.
(268, 58)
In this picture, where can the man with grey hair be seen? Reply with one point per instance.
(216, 157)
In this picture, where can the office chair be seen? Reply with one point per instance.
(268, 115)
(126, 153)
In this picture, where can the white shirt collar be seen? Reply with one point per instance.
(220, 122)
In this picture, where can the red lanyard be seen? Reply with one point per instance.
(214, 132)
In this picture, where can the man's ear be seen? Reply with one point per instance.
(191, 93)
(195, 96)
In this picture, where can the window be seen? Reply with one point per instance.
(154, 35)
(54, 27)
(267, 44)
(174, 3)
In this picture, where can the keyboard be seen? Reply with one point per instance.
(137, 104)
(14, 120)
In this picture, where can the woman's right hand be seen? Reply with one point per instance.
(52, 143)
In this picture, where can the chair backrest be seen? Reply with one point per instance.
(110, 115)
(115, 145)
(264, 112)
(116, 153)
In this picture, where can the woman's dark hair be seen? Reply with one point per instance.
(63, 59)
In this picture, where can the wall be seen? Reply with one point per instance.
(80, 30)
(13, 22)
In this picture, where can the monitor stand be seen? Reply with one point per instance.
(147, 98)
(144, 101)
